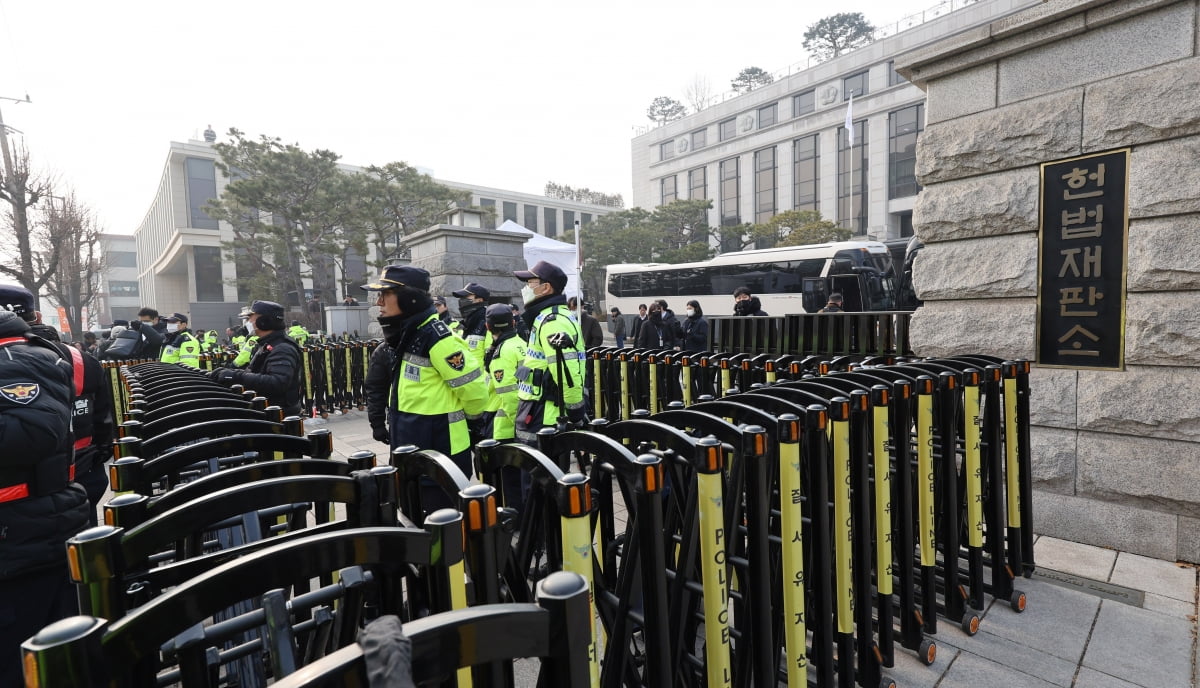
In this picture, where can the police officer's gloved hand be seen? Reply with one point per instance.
(380, 434)
(229, 377)
(577, 418)
(478, 429)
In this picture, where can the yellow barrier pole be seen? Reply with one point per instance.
(772, 376)
(842, 535)
(1012, 461)
(446, 527)
(710, 493)
(973, 462)
(597, 389)
(653, 362)
(575, 505)
(625, 401)
(925, 479)
(883, 493)
(791, 530)
(686, 375)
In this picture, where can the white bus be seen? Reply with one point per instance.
(787, 280)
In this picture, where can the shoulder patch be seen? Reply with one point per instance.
(457, 360)
(22, 392)
(440, 329)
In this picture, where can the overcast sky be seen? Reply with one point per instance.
(501, 94)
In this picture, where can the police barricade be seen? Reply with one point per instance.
(173, 639)
(554, 630)
(869, 333)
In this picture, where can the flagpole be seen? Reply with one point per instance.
(579, 270)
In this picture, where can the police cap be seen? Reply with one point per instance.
(267, 308)
(499, 315)
(394, 276)
(473, 289)
(17, 299)
(546, 272)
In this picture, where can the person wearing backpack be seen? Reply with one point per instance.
(40, 506)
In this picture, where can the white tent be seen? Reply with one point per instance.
(559, 253)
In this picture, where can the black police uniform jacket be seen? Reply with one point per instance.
(35, 429)
(274, 372)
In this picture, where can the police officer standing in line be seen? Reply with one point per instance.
(472, 301)
(40, 508)
(298, 333)
(550, 382)
(437, 386)
(501, 360)
(181, 345)
(274, 370)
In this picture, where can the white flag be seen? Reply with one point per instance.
(850, 121)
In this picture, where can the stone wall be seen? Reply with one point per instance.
(455, 256)
(1116, 455)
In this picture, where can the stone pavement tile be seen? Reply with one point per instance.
(1056, 620)
(1169, 606)
(1155, 575)
(1140, 646)
(1090, 678)
(969, 671)
(1008, 653)
(1073, 557)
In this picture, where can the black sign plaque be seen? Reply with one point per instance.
(1082, 236)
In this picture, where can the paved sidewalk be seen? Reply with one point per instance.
(1095, 618)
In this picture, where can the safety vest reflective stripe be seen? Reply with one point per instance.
(464, 379)
(506, 389)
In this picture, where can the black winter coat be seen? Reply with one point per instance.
(35, 415)
(274, 372)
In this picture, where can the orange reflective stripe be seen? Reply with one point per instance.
(11, 340)
(77, 369)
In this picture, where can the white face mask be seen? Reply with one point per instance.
(690, 312)
(527, 293)
(172, 327)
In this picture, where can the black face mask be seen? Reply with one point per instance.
(468, 306)
(391, 327)
(656, 316)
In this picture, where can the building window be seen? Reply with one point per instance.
(852, 179)
(699, 139)
(728, 172)
(666, 150)
(550, 221)
(855, 84)
(728, 129)
(568, 220)
(768, 115)
(201, 188)
(121, 259)
(764, 184)
(666, 187)
(894, 77)
(510, 211)
(489, 218)
(531, 217)
(803, 103)
(698, 183)
(585, 219)
(806, 157)
(207, 260)
(904, 128)
(122, 288)
(906, 228)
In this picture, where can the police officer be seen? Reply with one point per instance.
(210, 342)
(274, 370)
(437, 386)
(181, 346)
(246, 342)
(501, 361)
(39, 505)
(551, 379)
(472, 302)
(298, 333)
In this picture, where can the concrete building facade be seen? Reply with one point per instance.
(1116, 453)
(785, 146)
(120, 292)
(180, 264)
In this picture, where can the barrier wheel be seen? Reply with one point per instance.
(927, 652)
(887, 682)
(970, 623)
(1017, 601)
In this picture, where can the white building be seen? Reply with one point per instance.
(181, 266)
(784, 146)
(120, 294)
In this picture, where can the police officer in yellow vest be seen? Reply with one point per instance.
(239, 336)
(181, 346)
(472, 302)
(551, 379)
(245, 343)
(210, 342)
(437, 386)
(298, 333)
(502, 358)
